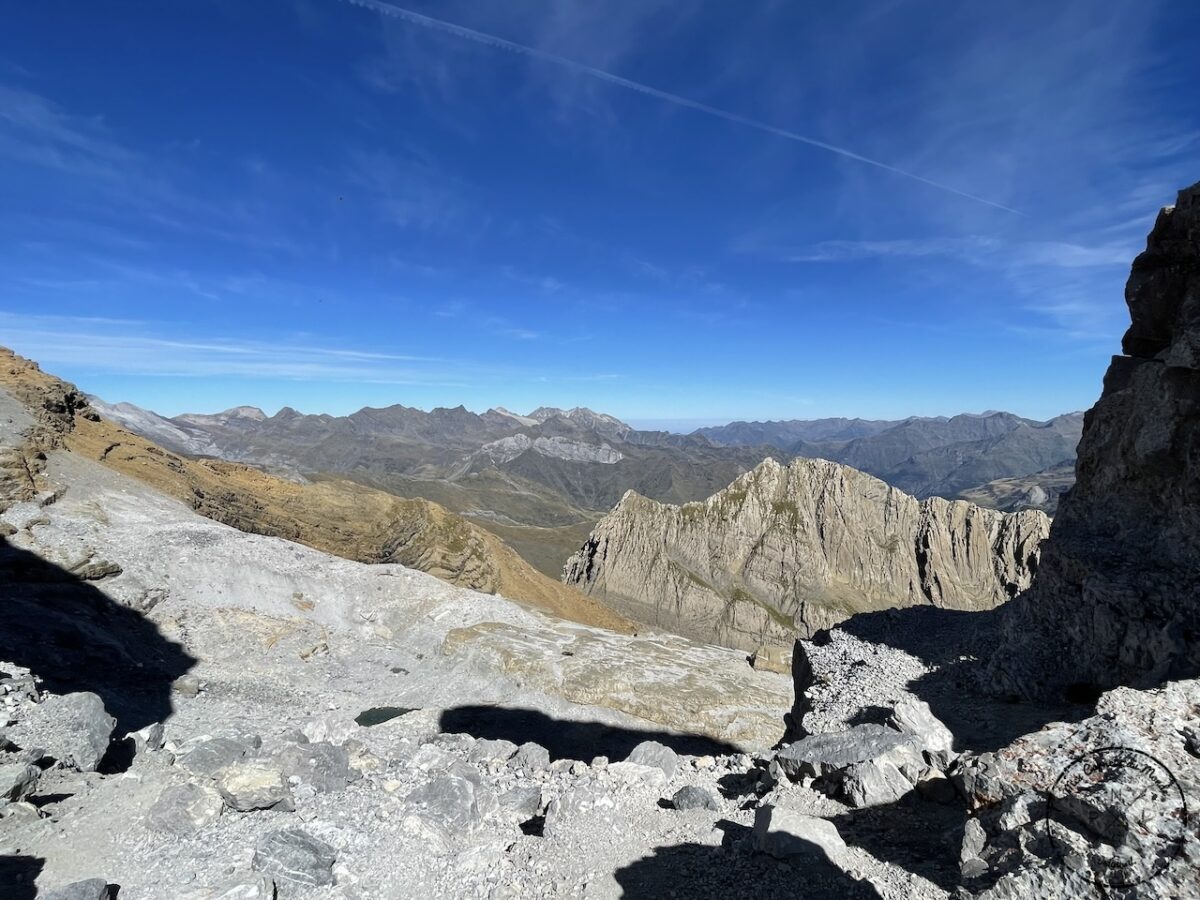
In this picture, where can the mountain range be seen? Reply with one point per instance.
(542, 481)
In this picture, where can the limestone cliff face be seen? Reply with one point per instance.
(1118, 597)
(787, 550)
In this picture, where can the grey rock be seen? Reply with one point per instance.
(530, 757)
(486, 750)
(92, 889)
(209, 756)
(448, 801)
(245, 887)
(1117, 597)
(652, 753)
(786, 834)
(183, 809)
(250, 786)
(874, 783)
(827, 755)
(913, 716)
(522, 803)
(186, 686)
(586, 802)
(293, 856)
(17, 781)
(693, 797)
(73, 728)
(323, 766)
(148, 739)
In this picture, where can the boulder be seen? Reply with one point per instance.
(250, 786)
(323, 766)
(17, 781)
(488, 750)
(293, 856)
(530, 757)
(828, 755)
(449, 801)
(631, 773)
(652, 753)
(75, 729)
(183, 809)
(874, 783)
(91, 889)
(209, 755)
(521, 803)
(914, 717)
(786, 834)
(772, 658)
(693, 797)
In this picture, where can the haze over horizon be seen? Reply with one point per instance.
(664, 211)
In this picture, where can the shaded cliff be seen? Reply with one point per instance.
(1118, 598)
(787, 550)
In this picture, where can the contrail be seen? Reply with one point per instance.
(490, 40)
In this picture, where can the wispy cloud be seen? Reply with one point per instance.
(128, 348)
(978, 250)
(491, 40)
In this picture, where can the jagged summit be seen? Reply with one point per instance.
(789, 549)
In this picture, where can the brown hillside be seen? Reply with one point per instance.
(336, 516)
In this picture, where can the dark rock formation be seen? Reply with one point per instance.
(1117, 600)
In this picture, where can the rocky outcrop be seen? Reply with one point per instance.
(788, 550)
(1117, 600)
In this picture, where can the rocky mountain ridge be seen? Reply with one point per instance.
(788, 550)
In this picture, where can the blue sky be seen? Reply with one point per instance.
(773, 210)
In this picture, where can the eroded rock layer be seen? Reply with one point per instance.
(788, 550)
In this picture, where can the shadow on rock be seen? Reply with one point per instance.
(920, 837)
(957, 645)
(75, 638)
(17, 876)
(568, 739)
(699, 871)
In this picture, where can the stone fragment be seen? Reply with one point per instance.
(293, 856)
(250, 786)
(630, 773)
(449, 801)
(772, 658)
(17, 781)
(184, 809)
(521, 803)
(245, 887)
(825, 755)
(584, 803)
(146, 739)
(530, 757)
(91, 889)
(913, 716)
(186, 686)
(75, 729)
(323, 766)
(652, 753)
(693, 797)
(874, 783)
(208, 756)
(488, 750)
(786, 834)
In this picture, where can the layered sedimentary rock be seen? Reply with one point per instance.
(1117, 600)
(788, 550)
